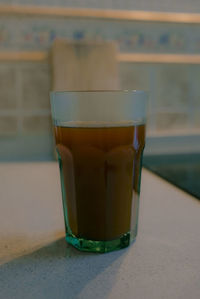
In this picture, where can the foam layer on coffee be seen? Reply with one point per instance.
(98, 124)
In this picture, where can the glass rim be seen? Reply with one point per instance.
(133, 91)
(98, 105)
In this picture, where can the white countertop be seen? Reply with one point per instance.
(36, 262)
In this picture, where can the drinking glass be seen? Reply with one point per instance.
(100, 137)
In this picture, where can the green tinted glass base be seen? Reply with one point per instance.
(99, 246)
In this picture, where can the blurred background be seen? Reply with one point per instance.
(150, 45)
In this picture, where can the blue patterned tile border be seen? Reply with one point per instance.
(37, 33)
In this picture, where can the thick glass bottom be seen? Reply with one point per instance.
(100, 246)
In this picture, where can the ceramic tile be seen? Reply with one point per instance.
(7, 88)
(171, 121)
(35, 88)
(134, 76)
(197, 117)
(195, 82)
(37, 124)
(172, 86)
(8, 125)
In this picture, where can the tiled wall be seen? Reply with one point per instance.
(24, 98)
(174, 105)
(156, 5)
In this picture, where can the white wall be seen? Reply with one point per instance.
(155, 5)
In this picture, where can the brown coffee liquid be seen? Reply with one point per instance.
(100, 169)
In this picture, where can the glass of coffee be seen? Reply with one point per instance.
(100, 137)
